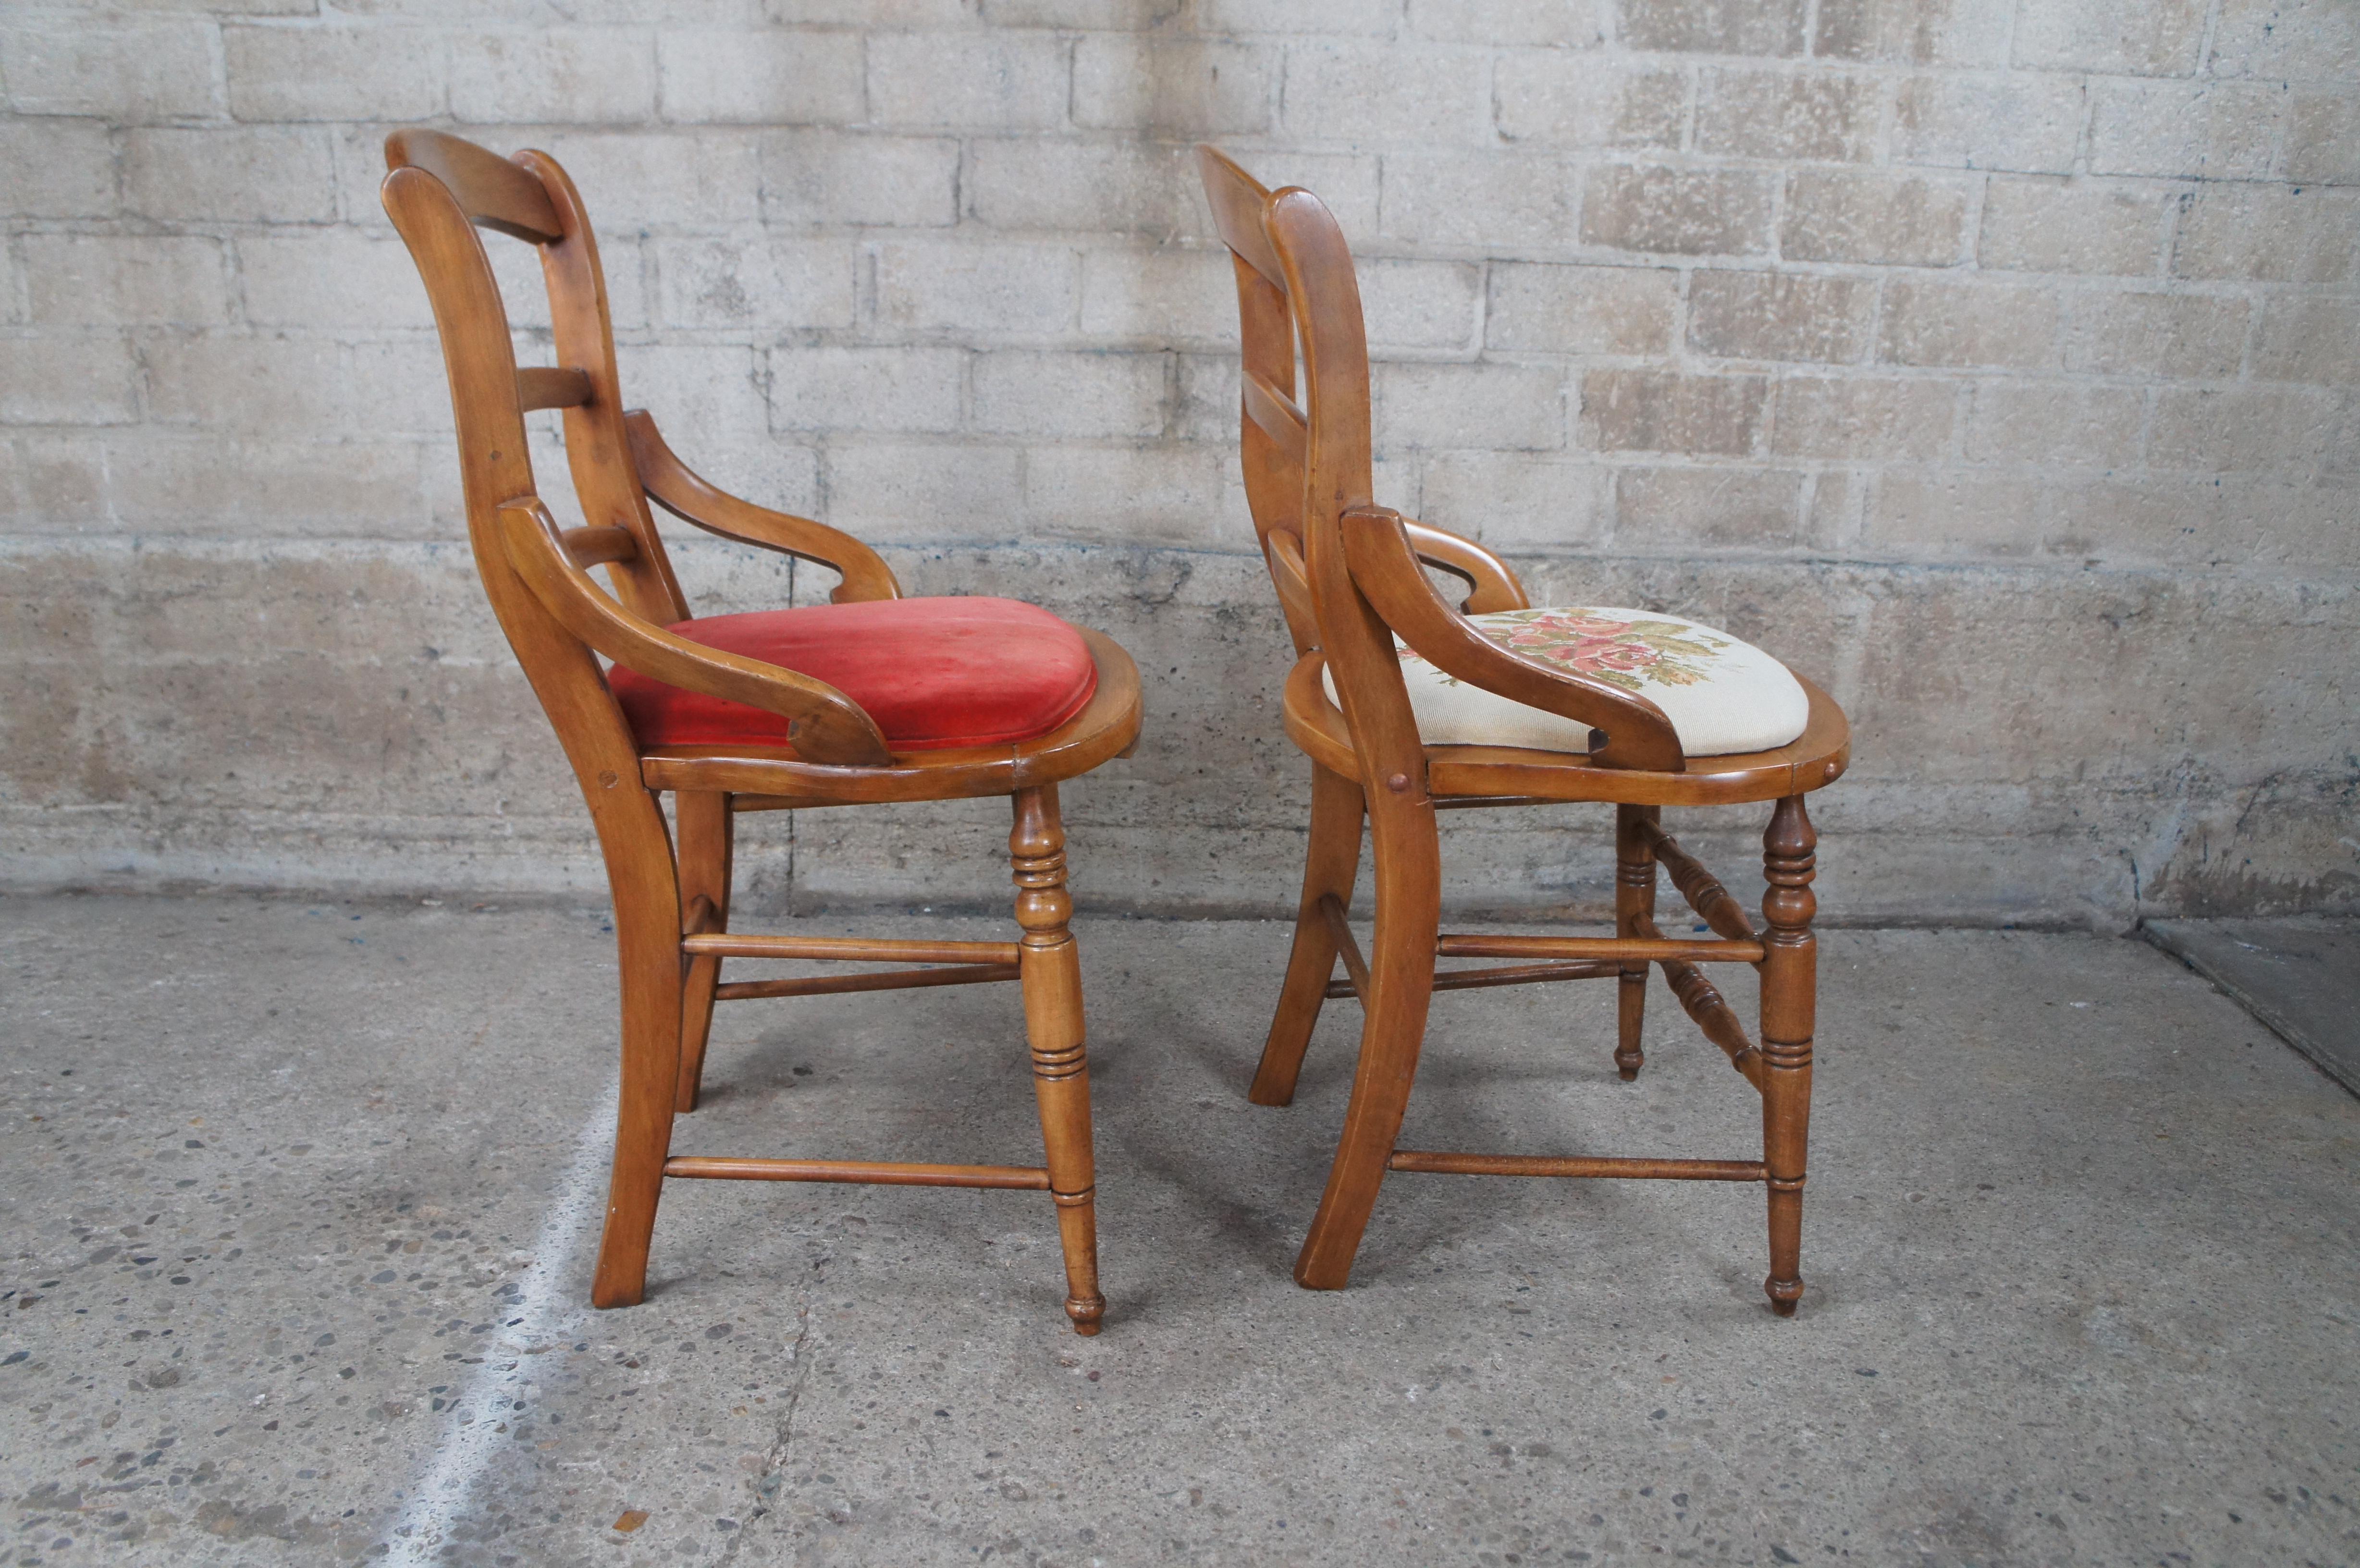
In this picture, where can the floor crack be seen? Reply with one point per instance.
(771, 1481)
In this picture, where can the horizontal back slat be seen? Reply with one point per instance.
(1237, 200)
(492, 191)
(543, 387)
(598, 545)
(1275, 412)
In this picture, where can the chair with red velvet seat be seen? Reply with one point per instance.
(872, 697)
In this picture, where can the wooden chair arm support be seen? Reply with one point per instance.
(1385, 567)
(673, 486)
(826, 725)
(1492, 584)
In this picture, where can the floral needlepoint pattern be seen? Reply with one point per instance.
(1607, 646)
(1722, 696)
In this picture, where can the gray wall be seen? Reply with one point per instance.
(1993, 363)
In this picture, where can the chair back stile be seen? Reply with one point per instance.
(496, 467)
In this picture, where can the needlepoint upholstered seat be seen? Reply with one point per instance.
(872, 697)
(1409, 704)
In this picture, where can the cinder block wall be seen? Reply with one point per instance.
(1994, 363)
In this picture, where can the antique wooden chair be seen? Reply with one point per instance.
(873, 697)
(1408, 706)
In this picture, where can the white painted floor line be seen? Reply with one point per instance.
(553, 1297)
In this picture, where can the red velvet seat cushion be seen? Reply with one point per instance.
(933, 673)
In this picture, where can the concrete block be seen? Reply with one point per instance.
(129, 69)
(812, 178)
(1499, 407)
(1953, 513)
(974, 289)
(1916, 32)
(2308, 339)
(105, 280)
(1901, 220)
(637, 178)
(560, 75)
(1513, 501)
(1063, 394)
(1119, 187)
(59, 380)
(390, 387)
(334, 279)
(1544, 24)
(2055, 424)
(2323, 143)
(2277, 431)
(1558, 100)
(1419, 304)
(1780, 316)
(58, 167)
(1207, 406)
(2181, 130)
(2070, 226)
(344, 73)
(1125, 14)
(1943, 323)
(1357, 93)
(1159, 494)
(2161, 38)
(1660, 410)
(701, 392)
(54, 482)
(1491, 203)
(1723, 507)
(1714, 27)
(969, 79)
(965, 493)
(1178, 87)
(257, 386)
(1864, 419)
(1581, 309)
(260, 174)
(2195, 336)
(869, 13)
(2213, 518)
(1789, 114)
(895, 389)
(1364, 18)
(1167, 295)
(771, 284)
(2271, 234)
(1679, 212)
(768, 77)
(203, 484)
(2289, 41)
(2025, 124)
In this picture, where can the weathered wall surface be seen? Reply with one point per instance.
(1994, 363)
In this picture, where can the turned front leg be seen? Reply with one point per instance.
(1634, 905)
(1049, 967)
(1789, 1003)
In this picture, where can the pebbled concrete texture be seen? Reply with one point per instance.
(297, 1250)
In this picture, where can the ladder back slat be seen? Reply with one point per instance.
(540, 387)
(492, 191)
(1276, 414)
(597, 546)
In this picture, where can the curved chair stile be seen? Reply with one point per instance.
(1354, 579)
(794, 739)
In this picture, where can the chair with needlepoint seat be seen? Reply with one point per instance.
(1408, 706)
(872, 697)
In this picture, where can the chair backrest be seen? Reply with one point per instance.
(1307, 464)
(438, 192)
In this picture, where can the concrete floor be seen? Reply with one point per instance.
(298, 1203)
